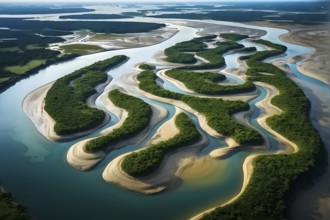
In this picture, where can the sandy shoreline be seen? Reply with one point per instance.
(267, 110)
(235, 97)
(34, 106)
(81, 160)
(167, 174)
(315, 65)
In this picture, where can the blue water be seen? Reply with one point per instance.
(35, 170)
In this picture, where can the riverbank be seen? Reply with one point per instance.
(174, 164)
(78, 158)
(34, 106)
(266, 110)
(315, 65)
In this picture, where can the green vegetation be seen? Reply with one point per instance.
(15, 9)
(25, 42)
(107, 27)
(25, 68)
(146, 67)
(276, 177)
(81, 49)
(139, 115)
(271, 44)
(9, 210)
(95, 16)
(65, 101)
(260, 13)
(214, 56)
(247, 49)
(216, 111)
(146, 161)
(25, 54)
(177, 53)
(233, 36)
(207, 82)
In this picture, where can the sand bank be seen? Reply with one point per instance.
(81, 160)
(235, 97)
(167, 174)
(34, 107)
(267, 110)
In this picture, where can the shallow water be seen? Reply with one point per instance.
(35, 170)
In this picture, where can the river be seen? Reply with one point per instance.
(35, 170)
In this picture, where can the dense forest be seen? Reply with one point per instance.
(207, 83)
(217, 111)
(310, 12)
(214, 56)
(111, 27)
(95, 16)
(66, 99)
(23, 47)
(139, 115)
(146, 161)
(10, 210)
(17, 9)
(24, 53)
(276, 178)
(233, 36)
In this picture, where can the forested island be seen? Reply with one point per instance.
(221, 120)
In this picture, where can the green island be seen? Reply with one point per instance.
(207, 82)
(183, 52)
(214, 56)
(24, 45)
(81, 49)
(179, 52)
(147, 161)
(66, 99)
(266, 196)
(26, 53)
(139, 115)
(217, 111)
(9, 209)
(233, 36)
(95, 16)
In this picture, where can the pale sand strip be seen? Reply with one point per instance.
(34, 107)
(304, 58)
(167, 130)
(81, 160)
(172, 166)
(201, 118)
(267, 110)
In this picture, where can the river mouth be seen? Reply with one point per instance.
(36, 171)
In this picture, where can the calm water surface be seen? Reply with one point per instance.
(35, 170)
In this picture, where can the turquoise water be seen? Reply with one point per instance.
(35, 170)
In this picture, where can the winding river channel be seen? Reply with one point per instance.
(35, 170)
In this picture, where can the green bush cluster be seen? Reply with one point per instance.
(178, 53)
(276, 177)
(65, 101)
(207, 82)
(233, 36)
(9, 210)
(147, 82)
(26, 46)
(214, 56)
(146, 161)
(271, 44)
(217, 111)
(139, 115)
(146, 67)
(218, 115)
